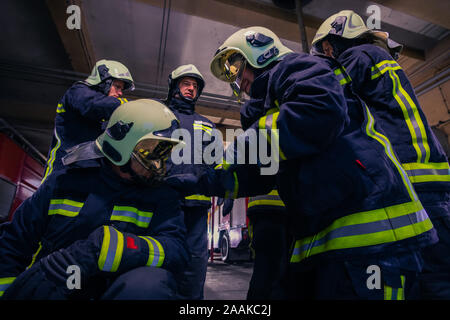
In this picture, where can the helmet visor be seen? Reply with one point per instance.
(150, 157)
(148, 151)
(233, 69)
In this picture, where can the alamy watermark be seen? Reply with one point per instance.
(74, 20)
(74, 279)
(374, 19)
(248, 147)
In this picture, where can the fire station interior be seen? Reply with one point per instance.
(41, 57)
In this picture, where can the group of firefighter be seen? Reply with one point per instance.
(363, 184)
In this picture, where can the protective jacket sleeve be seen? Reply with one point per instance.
(108, 249)
(90, 103)
(312, 110)
(20, 239)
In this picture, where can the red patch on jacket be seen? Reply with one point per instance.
(131, 244)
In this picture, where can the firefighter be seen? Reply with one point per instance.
(84, 109)
(107, 214)
(185, 87)
(351, 206)
(270, 243)
(369, 58)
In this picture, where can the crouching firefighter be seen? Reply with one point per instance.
(350, 203)
(85, 108)
(369, 57)
(186, 84)
(107, 218)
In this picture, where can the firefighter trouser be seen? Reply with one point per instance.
(435, 277)
(270, 243)
(386, 278)
(192, 280)
(143, 283)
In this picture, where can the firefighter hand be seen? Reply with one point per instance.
(186, 184)
(46, 279)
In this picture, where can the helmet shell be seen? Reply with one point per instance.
(346, 24)
(132, 122)
(105, 69)
(258, 55)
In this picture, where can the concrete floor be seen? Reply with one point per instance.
(227, 281)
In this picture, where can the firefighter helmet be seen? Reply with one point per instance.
(110, 69)
(188, 70)
(142, 128)
(259, 47)
(346, 24)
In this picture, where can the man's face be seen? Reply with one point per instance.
(247, 80)
(327, 48)
(188, 87)
(116, 89)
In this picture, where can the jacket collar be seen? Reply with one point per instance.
(181, 106)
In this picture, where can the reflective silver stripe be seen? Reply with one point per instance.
(351, 234)
(420, 172)
(114, 253)
(133, 215)
(411, 110)
(64, 207)
(342, 76)
(384, 66)
(388, 150)
(367, 228)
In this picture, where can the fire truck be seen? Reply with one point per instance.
(21, 170)
(228, 229)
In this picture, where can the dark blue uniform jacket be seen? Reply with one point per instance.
(345, 190)
(200, 135)
(79, 118)
(73, 202)
(383, 85)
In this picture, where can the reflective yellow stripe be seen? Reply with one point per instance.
(270, 199)
(60, 108)
(5, 283)
(342, 76)
(266, 202)
(112, 250)
(235, 190)
(366, 228)
(133, 215)
(268, 123)
(421, 141)
(122, 100)
(410, 112)
(384, 66)
(52, 158)
(371, 132)
(276, 136)
(156, 251)
(33, 259)
(65, 207)
(427, 172)
(395, 293)
(198, 197)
